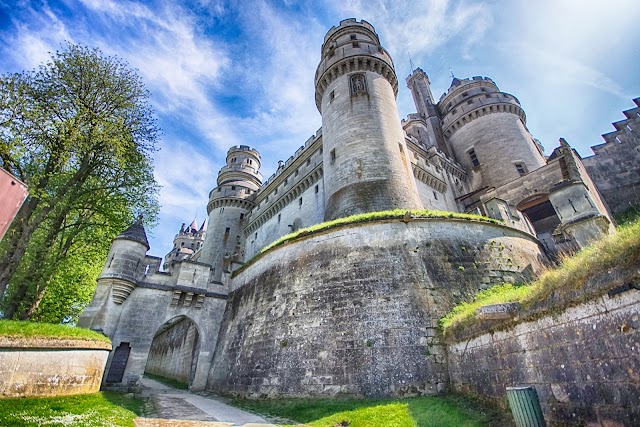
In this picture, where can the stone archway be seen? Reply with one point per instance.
(174, 350)
(543, 218)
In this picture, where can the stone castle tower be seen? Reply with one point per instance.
(228, 205)
(365, 156)
(186, 244)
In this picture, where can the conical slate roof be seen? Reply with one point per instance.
(135, 232)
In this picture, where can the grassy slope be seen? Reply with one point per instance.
(421, 411)
(617, 250)
(12, 328)
(103, 409)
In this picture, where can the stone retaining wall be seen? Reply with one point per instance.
(355, 310)
(49, 367)
(584, 361)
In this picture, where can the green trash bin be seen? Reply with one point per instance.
(525, 406)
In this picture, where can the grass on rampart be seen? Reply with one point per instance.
(621, 249)
(367, 217)
(23, 329)
(104, 409)
(441, 411)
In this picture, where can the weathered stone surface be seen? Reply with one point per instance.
(172, 351)
(51, 367)
(583, 362)
(354, 310)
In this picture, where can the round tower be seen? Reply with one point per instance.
(364, 154)
(486, 130)
(228, 205)
(186, 243)
(125, 263)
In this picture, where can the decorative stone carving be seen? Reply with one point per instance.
(358, 84)
(121, 290)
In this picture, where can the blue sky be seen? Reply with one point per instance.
(223, 73)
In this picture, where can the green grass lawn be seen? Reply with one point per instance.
(621, 249)
(104, 409)
(431, 411)
(13, 328)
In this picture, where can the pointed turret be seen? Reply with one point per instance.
(135, 232)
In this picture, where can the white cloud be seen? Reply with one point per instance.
(421, 27)
(180, 66)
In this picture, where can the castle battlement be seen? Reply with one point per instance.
(460, 84)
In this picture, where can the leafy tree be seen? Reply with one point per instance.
(80, 133)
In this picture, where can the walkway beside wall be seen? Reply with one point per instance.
(181, 408)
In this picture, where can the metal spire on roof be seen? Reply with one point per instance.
(411, 62)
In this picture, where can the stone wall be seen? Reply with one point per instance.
(583, 361)
(38, 367)
(615, 169)
(173, 350)
(355, 310)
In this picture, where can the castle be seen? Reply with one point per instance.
(353, 309)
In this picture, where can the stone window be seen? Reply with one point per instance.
(333, 155)
(227, 230)
(295, 173)
(233, 160)
(241, 216)
(286, 180)
(233, 187)
(435, 195)
(308, 162)
(470, 101)
(300, 202)
(279, 218)
(317, 189)
(266, 199)
(521, 168)
(356, 44)
(474, 159)
(353, 36)
(332, 95)
(464, 93)
(401, 148)
(249, 161)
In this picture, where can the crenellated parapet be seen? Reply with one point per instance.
(470, 99)
(352, 47)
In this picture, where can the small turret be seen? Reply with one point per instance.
(420, 87)
(125, 263)
(186, 243)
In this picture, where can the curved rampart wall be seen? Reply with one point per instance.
(355, 310)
